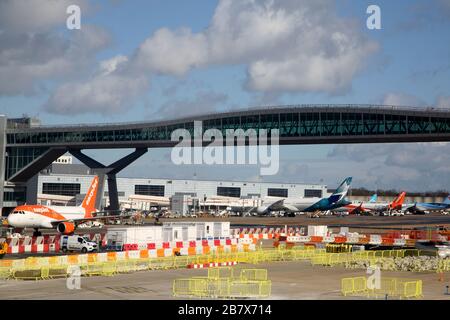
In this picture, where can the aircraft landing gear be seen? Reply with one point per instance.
(37, 233)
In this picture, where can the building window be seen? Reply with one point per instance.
(119, 193)
(229, 192)
(274, 192)
(149, 190)
(14, 196)
(311, 193)
(62, 189)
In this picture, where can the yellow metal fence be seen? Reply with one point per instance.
(390, 287)
(57, 266)
(221, 283)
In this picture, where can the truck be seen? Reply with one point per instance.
(77, 243)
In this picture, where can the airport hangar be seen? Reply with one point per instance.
(26, 147)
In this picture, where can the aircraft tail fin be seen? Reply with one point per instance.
(398, 201)
(341, 191)
(373, 198)
(447, 200)
(89, 200)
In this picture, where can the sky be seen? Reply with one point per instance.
(150, 60)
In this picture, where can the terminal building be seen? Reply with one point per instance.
(64, 182)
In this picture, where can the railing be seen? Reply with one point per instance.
(121, 262)
(162, 122)
(387, 287)
(221, 283)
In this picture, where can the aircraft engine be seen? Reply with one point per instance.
(66, 228)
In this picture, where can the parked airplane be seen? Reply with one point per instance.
(427, 207)
(337, 199)
(373, 207)
(64, 219)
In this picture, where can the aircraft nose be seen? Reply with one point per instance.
(12, 220)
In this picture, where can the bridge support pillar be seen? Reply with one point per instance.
(110, 172)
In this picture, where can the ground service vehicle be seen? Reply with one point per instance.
(77, 243)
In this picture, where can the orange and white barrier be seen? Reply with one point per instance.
(42, 244)
(211, 265)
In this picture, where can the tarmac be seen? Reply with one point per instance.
(290, 281)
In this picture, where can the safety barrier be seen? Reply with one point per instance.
(125, 262)
(390, 287)
(349, 258)
(220, 283)
(443, 265)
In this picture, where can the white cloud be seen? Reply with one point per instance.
(202, 103)
(443, 102)
(32, 50)
(24, 16)
(287, 45)
(172, 52)
(402, 99)
(411, 167)
(104, 94)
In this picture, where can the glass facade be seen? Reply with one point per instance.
(18, 158)
(149, 190)
(15, 196)
(275, 192)
(62, 189)
(290, 124)
(229, 192)
(24, 145)
(312, 193)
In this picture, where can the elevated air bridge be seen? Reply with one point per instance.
(27, 148)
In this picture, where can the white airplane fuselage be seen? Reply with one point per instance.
(41, 217)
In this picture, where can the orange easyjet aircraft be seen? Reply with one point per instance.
(64, 219)
(369, 207)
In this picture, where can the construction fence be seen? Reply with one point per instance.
(385, 288)
(225, 283)
(112, 263)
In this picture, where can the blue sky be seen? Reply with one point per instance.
(143, 60)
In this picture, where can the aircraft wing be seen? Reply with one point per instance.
(288, 207)
(272, 206)
(81, 220)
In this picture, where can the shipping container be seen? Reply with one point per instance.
(200, 230)
(320, 231)
(116, 238)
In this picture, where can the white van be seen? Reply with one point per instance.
(77, 243)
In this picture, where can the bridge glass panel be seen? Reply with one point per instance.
(289, 123)
(440, 125)
(373, 124)
(76, 136)
(89, 136)
(122, 135)
(55, 137)
(212, 124)
(105, 135)
(231, 123)
(395, 124)
(250, 122)
(331, 123)
(418, 125)
(309, 124)
(352, 124)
